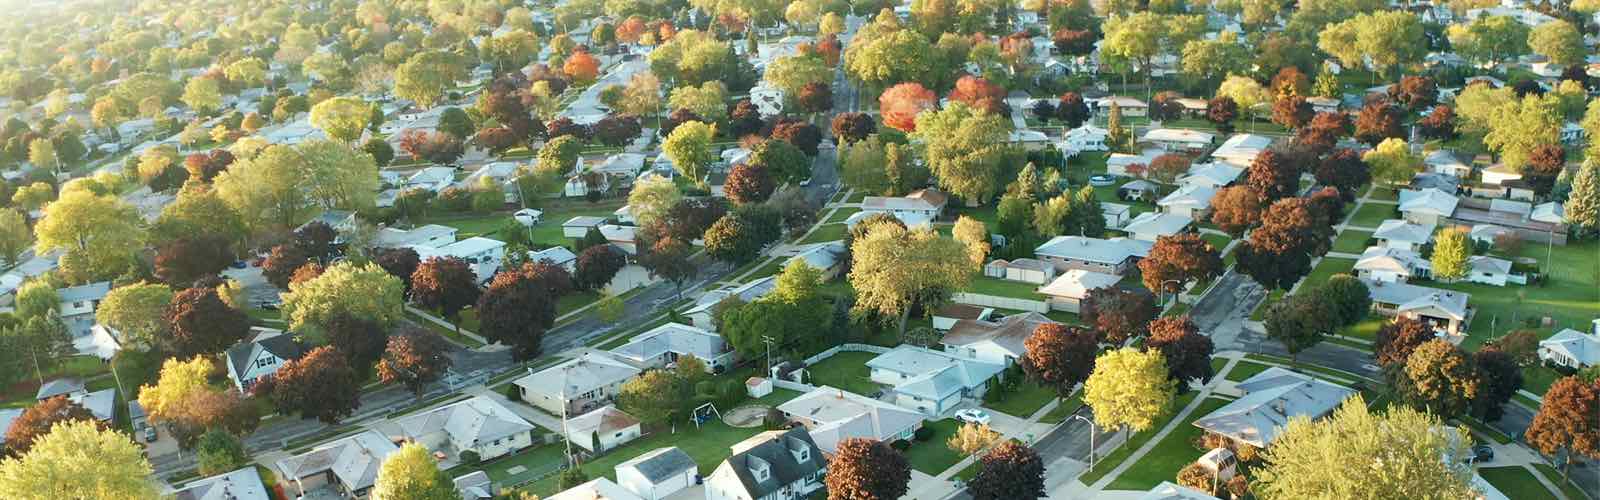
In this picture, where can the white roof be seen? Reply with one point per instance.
(1549, 212)
(1194, 195)
(592, 370)
(1408, 297)
(242, 484)
(1271, 398)
(1580, 346)
(1168, 491)
(1489, 265)
(1077, 283)
(931, 374)
(746, 292)
(1398, 260)
(1242, 147)
(1104, 251)
(1428, 201)
(833, 415)
(99, 343)
(468, 423)
(604, 420)
(597, 489)
(556, 255)
(620, 164)
(822, 256)
(390, 237)
(354, 460)
(584, 221)
(1120, 101)
(1158, 224)
(1402, 230)
(475, 245)
(674, 338)
(613, 232)
(1178, 135)
(1214, 174)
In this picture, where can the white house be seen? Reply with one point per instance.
(1149, 226)
(663, 345)
(1499, 174)
(1120, 163)
(701, 313)
(1488, 270)
(1403, 234)
(1572, 348)
(583, 383)
(924, 204)
(1169, 491)
(1189, 200)
(1240, 150)
(658, 473)
(260, 356)
(624, 238)
(349, 464)
(1128, 105)
(1321, 104)
(1116, 214)
(1271, 398)
(1084, 138)
(825, 257)
(998, 341)
(434, 179)
(1427, 206)
(242, 484)
(1445, 310)
(478, 424)
(931, 382)
(833, 415)
(773, 465)
(1392, 265)
(500, 173)
(429, 235)
(1214, 175)
(78, 304)
(596, 489)
(1067, 292)
(1110, 256)
(611, 426)
(1024, 270)
(1447, 163)
(578, 227)
(1178, 139)
(559, 256)
(483, 254)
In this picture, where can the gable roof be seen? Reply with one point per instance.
(1490, 265)
(1549, 212)
(1008, 333)
(660, 464)
(921, 199)
(593, 369)
(242, 484)
(1242, 148)
(353, 460)
(822, 256)
(1077, 283)
(672, 337)
(1408, 297)
(1271, 398)
(776, 451)
(390, 237)
(80, 293)
(1428, 201)
(746, 292)
(1580, 346)
(1169, 491)
(59, 387)
(274, 342)
(1157, 223)
(933, 374)
(604, 420)
(1391, 259)
(1403, 230)
(1196, 195)
(557, 255)
(834, 415)
(469, 422)
(1177, 135)
(596, 489)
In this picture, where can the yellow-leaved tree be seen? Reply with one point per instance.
(1129, 388)
(78, 460)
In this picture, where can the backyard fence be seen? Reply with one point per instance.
(846, 348)
(979, 299)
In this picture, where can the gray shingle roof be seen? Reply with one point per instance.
(660, 464)
(776, 450)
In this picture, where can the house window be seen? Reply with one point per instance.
(263, 362)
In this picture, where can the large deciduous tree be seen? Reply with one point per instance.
(414, 358)
(1451, 250)
(1129, 389)
(1499, 379)
(199, 322)
(894, 269)
(1188, 353)
(1565, 421)
(1179, 259)
(37, 420)
(99, 234)
(964, 149)
(1299, 322)
(1312, 458)
(360, 339)
(365, 291)
(1059, 356)
(1235, 208)
(1396, 340)
(900, 105)
(445, 284)
(181, 262)
(867, 469)
(596, 266)
(1273, 175)
(1118, 314)
(320, 385)
(1441, 379)
(342, 118)
(105, 464)
(137, 313)
(413, 474)
(518, 306)
(747, 183)
(1011, 470)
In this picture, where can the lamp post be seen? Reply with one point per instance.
(1086, 420)
(1173, 293)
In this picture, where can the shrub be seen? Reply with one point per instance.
(774, 419)
(923, 434)
(470, 457)
(512, 393)
(900, 445)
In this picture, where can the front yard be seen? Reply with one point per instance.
(1569, 296)
(1028, 398)
(1515, 482)
(1351, 241)
(1373, 214)
(933, 456)
(1169, 456)
(1105, 464)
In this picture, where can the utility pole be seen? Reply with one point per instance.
(767, 339)
(565, 435)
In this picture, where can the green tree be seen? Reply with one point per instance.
(204, 95)
(1451, 249)
(900, 56)
(894, 269)
(651, 199)
(689, 148)
(342, 118)
(1489, 39)
(424, 77)
(511, 50)
(1392, 162)
(1519, 127)
(655, 396)
(248, 71)
(98, 233)
(709, 101)
(964, 148)
(790, 73)
(559, 156)
(37, 299)
(42, 154)
(413, 474)
(1583, 203)
(1440, 379)
(1310, 459)
(219, 452)
(135, 311)
(15, 236)
(972, 233)
(105, 464)
(1558, 40)
(1129, 389)
(364, 291)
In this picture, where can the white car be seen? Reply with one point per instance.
(973, 416)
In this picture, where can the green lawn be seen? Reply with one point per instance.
(1383, 193)
(21, 394)
(1243, 370)
(857, 197)
(1105, 464)
(1004, 288)
(1366, 329)
(1217, 241)
(845, 370)
(1515, 482)
(1373, 214)
(1064, 409)
(1351, 241)
(840, 215)
(1554, 475)
(1325, 270)
(1569, 295)
(933, 456)
(708, 446)
(1266, 305)
(1170, 454)
(985, 214)
(1537, 379)
(1027, 399)
(826, 233)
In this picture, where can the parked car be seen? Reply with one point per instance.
(1482, 453)
(150, 434)
(973, 416)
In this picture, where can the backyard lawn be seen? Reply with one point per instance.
(1170, 454)
(1004, 288)
(933, 456)
(1027, 399)
(1105, 464)
(1351, 241)
(1373, 214)
(1569, 296)
(845, 370)
(1515, 482)
(826, 233)
(1325, 270)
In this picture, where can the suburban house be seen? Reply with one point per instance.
(484, 255)
(1403, 234)
(1189, 200)
(78, 304)
(596, 489)
(1138, 190)
(1128, 105)
(1178, 139)
(833, 415)
(1446, 311)
(501, 173)
(1067, 292)
(479, 424)
(773, 465)
(930, 381)
(434, 179)
(1110, 256)
(1150, 226)
(559, 256)
(1169, 491)
(1270, 399)
(701, 313)
(475, 485)
(663, 345)
(994, 341)
(348, 465)
(922, 206)
(7, 416)
(579, 227)
(1123, 164)
(430, 235)
(658, 473)
(1321, 104)
(1084, 138)
(242, 484)
(1240, 150)
(1488, 270)
(825, 257)
(612, 427)
(947, 316)
(1392, 265)
(1426, 207)
(582, 183)
(1025, 270)
(260, 355)
(583, 383)
(1447, 163)
(1215, 175)
(101, 403)
(1572, 348)
(625, 238)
